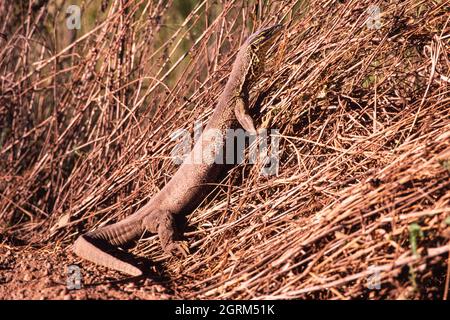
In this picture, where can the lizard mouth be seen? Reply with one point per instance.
(266, 36)
(272, 30)
(270, 33)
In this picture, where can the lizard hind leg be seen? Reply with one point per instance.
(162, 222)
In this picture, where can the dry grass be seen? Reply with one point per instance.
(364, 121)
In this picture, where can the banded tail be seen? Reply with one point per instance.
(116, 234)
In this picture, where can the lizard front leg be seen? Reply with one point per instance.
(162, 222)
(242, 114)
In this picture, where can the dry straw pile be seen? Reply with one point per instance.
(361, 204)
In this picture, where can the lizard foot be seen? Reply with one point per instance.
(163, 223)
(179, 248)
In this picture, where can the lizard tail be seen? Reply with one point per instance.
(116, 234)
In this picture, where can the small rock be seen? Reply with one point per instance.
(130, 285)
(48, 282)
(28, 277)
(148, 282)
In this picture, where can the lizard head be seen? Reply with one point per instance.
(261, 40)
(255, 52)
(249, 63)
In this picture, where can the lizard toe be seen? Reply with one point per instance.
(179, 248)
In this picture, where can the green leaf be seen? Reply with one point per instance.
(447, 220)
(414, 232)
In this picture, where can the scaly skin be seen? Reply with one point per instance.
(192, 180)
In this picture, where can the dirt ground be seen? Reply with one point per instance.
(41, 274)
(28, 273)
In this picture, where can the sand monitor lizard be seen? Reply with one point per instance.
(187, 187)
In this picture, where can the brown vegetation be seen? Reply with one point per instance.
(363, 190)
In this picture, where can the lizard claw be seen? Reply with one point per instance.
(177, 248)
